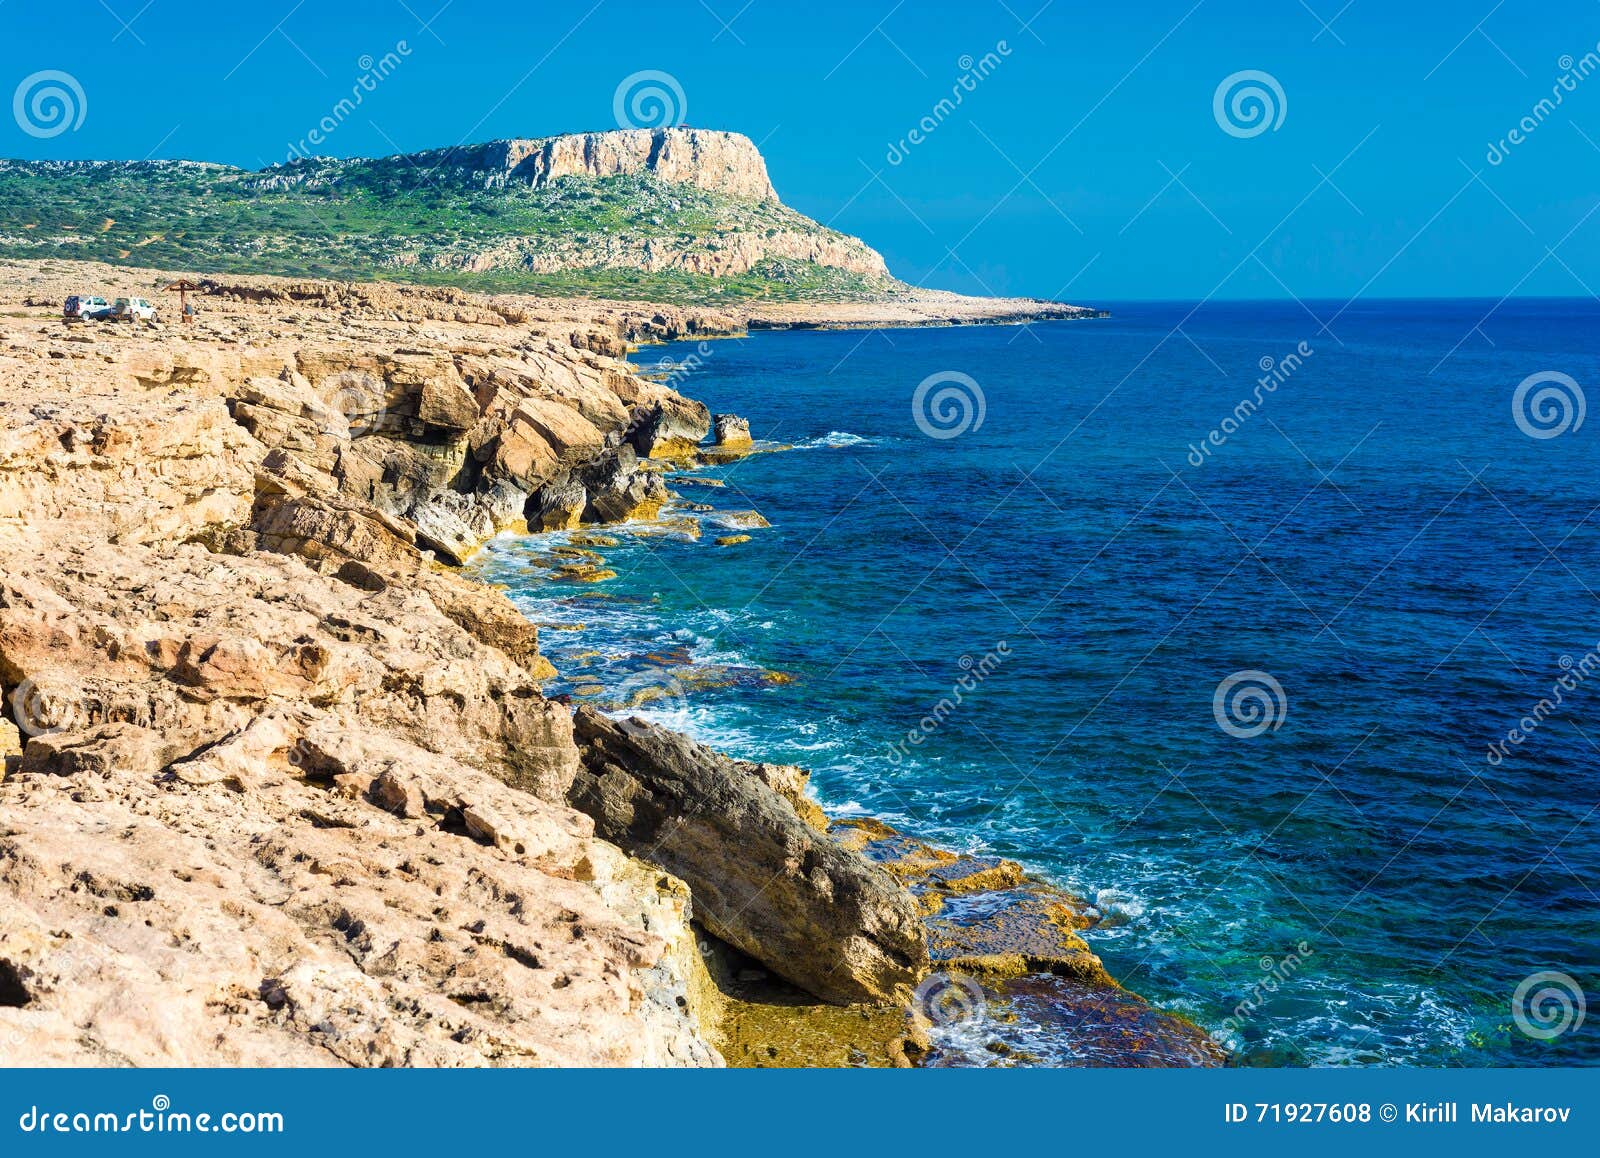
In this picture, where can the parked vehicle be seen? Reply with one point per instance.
(81, 307)
(133, 310)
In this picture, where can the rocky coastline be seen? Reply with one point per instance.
(282, 786)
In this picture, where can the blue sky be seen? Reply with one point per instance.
(1088, 163)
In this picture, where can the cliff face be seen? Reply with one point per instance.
(684, 215)
(277, 788)
(280, 789)
(718, 162)
(727, 255)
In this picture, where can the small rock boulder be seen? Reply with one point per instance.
(452, 525)
(669, 429)
(558, 505)
(730, 430)
(618, 490)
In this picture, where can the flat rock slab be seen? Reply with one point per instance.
(1073, 1023)
(1011, 974)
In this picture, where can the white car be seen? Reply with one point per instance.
(133, 310)
(81, 306)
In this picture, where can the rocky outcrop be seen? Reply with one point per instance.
(720, 162)
(278, 789)
(669, 428)
(690, 203)
(1002, 942)
(154, 472)
(762, 878)
(275, 774)
(340, 899)
(731, 253)
(729, 430)
(196, 645)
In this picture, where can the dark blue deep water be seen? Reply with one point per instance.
(1380, 539)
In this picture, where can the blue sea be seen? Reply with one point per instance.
(1302, 695)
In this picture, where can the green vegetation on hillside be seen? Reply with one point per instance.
(388, 219)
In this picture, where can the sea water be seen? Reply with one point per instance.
(1269, 629)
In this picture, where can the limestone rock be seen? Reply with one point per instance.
(329, 532)
(186, 921)
(452, 525)
(195, 645)
(762, 879)
(558, 505)
(730, 430)
(719, 161)
(669, 429)
(789, 782)
(618, 490)
(10, 743)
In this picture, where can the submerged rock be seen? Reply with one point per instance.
(740, 520)
(762, 879)
(1008, 952)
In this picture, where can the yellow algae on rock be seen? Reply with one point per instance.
(584, 573)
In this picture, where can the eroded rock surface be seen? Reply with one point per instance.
(819, 915)
(278, 788)
(341, 898)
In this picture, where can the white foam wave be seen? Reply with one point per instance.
(835, 439)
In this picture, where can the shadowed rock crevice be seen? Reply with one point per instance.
(13, 992)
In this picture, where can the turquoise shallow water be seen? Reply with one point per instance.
(1348, 876)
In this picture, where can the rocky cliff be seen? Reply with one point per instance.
(718, 162)
(686, 215)
(278, 787)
